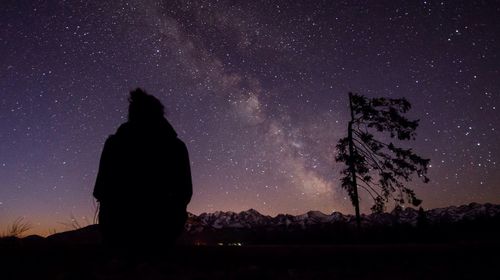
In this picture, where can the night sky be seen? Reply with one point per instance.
(256, 89)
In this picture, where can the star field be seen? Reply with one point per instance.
(256, 89)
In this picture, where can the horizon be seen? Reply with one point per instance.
(70, 225)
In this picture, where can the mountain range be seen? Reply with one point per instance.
(253, 219)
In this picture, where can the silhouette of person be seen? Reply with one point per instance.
(143, 185)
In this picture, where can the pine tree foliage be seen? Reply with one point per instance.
(380, 168)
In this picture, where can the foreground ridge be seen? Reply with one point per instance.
(473, 222)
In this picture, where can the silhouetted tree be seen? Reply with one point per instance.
(378, 166)
(422, 219)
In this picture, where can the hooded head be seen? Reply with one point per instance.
(144, 107)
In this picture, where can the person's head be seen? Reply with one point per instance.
(144, 107)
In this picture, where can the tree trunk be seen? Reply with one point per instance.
(352, 168)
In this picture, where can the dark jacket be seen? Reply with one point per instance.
(144, 183)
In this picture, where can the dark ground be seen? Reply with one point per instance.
(394, 261)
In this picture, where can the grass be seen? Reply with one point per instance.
(18, 227)
(74, 224)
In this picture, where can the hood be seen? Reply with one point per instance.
(161, 128)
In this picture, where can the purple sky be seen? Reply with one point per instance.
(256, 89)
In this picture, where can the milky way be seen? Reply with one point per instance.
(256, 89)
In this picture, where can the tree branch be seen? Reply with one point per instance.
(368, 152)
(368, 191)
(369, 185)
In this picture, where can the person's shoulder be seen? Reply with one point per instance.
(110, 143)
(123, 129)
(179, 142)
(111, 139)
(180, 145)
(114, 140)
